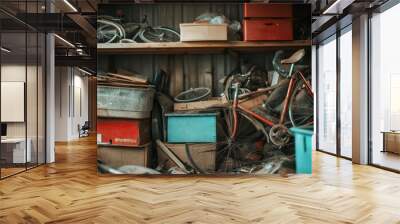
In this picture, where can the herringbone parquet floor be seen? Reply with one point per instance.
(70, 191)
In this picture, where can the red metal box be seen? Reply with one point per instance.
(268, 29)
(264, 10)
(123, 132)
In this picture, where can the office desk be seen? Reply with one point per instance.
(13, 150)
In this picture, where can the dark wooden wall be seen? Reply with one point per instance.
(171, 14)
(186, 71)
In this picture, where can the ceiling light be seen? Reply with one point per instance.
(70, 5)
(337, 7)
(64, 40)
(84, 71)
(5, 50)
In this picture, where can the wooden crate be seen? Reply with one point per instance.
(116, 156)
(203, 32)
(204, 155)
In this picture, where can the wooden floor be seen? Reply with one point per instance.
(386, 159)
(70, 191)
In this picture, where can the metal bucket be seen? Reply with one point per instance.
(122, 102)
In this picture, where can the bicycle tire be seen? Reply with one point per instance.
(120, 30)
(300, 120)
(249, 131)
(145, 35)
(193, 95)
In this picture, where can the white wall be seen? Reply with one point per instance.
(71, 102)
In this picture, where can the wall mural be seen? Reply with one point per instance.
(204, 88)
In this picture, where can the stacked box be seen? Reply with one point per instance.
(191, 128)
(267, 22)
(123, 125)
(204, 155)
(124, 132)
(117, 156)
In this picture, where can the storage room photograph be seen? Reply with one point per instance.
(207, 88)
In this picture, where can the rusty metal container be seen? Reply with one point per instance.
(124, 102)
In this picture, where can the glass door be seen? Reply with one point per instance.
(327, 96)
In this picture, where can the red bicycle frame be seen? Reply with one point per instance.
(292, 84)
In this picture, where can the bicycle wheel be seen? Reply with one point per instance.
(301, 106)
(192, 95)
(245, 147)
(159, 34)
(109, 32)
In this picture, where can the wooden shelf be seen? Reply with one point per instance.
(197, 47)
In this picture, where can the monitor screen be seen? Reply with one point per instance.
(3, 129)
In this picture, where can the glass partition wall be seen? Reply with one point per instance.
(385, 90)
(22, 77)
(334, 94)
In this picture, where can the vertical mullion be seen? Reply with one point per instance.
(369, 100)
(316, 117)
(338, 95)
(46, 3)
(37, 90)
(26, 86)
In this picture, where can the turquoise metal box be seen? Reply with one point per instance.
(194, 128)
(303, 148)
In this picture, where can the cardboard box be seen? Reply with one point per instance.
(116, 156)
(203, 32)
(204, 155)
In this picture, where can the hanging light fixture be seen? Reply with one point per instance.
(64, 40)
(70, 6)
(5, 50)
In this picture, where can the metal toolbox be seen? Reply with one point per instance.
(116, 156)
(196, 128)
(203, 32)
(204, 155)
(259, 29)
(265, 10)
(124, 132)
(123, 102)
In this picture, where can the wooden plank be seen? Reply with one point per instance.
(204, 71)
(198, 47)
(251, 103)
(201, 105)
(178, 75)
(219, 73)
(129, 78)
(190, 72)
(219, 102)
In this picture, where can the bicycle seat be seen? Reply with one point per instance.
(296, 57)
